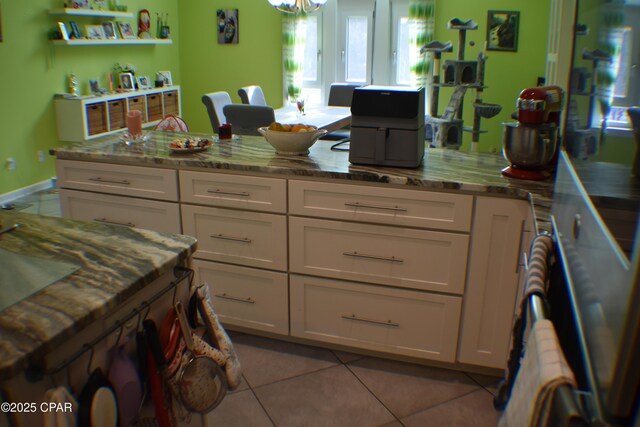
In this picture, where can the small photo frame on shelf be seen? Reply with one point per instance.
(127, 82)
(94, 87)
(144, 82)
(125, 30)
(63, 31)
(502, 30)
(109, 30)
(75, 31)
(165, 76)
(95, 32)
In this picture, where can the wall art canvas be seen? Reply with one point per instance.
(227, 26)
(502, 30)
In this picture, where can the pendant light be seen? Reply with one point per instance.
(297, 6)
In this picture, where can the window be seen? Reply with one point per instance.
(355, 42)
(401, 48)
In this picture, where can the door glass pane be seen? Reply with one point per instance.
(403, 73)
(311, 49)
(356, 53)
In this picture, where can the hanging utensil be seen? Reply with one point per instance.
(201, 383)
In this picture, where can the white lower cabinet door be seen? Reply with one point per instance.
(247, 297)
(119, 210)
(405, 257)
(238, 237)
(412, 323)
(499, 228)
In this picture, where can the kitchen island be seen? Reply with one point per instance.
(112, 264)
(283, 239)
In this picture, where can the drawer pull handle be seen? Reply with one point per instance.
(364, 205)
(384, 258)
(225, 296)
(232, 193)
(106, 221)
(377, 322)
(235, 239)
(110, 181)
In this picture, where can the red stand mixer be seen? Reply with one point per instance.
(530, 144)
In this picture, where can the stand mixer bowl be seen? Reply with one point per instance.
(530, 147)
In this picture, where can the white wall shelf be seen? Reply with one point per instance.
(95, 42)
(91, 12)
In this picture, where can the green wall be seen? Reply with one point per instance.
(210, 67)
(506, 73)
(33, 70)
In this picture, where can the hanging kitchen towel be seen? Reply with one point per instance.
(543, 370)
(535, 283)
(220, 337)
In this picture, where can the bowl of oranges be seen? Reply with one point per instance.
(291, 139)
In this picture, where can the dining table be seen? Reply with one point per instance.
(322, 117)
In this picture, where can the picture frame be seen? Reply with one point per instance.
(94, 87)
(228, 26)
(75, 31)
(165, 76)
(126, 81)
(95, 31)
(63, 31)
(502, 30)
(143, 82)
(109, 30)
(126, 31)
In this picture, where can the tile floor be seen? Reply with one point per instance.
(287, 384)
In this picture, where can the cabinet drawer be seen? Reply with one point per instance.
(154, 107)
(413, 208)
(234, 191)
(247, 297)
(171, 103)
(410, 258)
(139, 103)
(247, 238)
(117, 114)
(96, 118)
(131, 212)
(134, 181)
(372, 317)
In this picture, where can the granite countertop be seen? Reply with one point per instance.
(442, 169)
(114, 263)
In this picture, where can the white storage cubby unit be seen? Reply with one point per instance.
(87, 117)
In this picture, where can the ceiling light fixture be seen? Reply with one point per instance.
(297, 6)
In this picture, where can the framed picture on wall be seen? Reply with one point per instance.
(228, 26)
(502, 30)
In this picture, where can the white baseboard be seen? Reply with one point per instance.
(25, 191)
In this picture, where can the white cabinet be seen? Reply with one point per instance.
(404, 257)
(398, 321)
(132, 196)
(86, 117)
(499, 227)
(247, 297)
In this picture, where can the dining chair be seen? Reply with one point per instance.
(252, 95)
(215, 103)
(246, 119)
(340, 95)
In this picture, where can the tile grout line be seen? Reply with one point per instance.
(261, 405)
(373, 394)
(478, 382)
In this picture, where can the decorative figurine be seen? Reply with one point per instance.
(73, 84)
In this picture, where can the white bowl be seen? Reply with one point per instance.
(291, 143)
